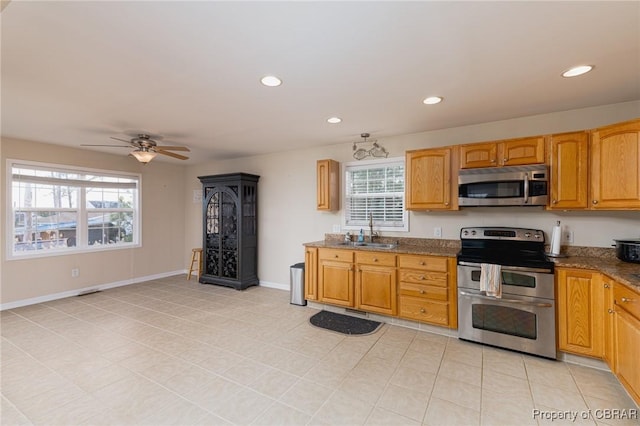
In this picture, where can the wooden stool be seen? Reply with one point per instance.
(196, 259)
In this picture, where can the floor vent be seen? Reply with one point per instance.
(356, 312)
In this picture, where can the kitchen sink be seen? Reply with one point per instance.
(371, 245)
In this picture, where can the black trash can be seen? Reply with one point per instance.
(297, 284)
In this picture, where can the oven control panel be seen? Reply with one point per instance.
(502, 233)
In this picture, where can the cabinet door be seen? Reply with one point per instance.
(569, 171)
(428, 182)
(376, 289)
(609, 330)
(335, 283)
(328, 185)
(580, 312)
(311, 273)
(515, 152)
(615, 167)
(627, 351)
(479, 155)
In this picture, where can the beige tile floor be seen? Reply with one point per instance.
(179, 353)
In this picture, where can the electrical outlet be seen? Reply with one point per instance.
(75, 273)
(567, 237)
(437, 232)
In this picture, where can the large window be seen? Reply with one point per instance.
(375, 189)
(57, 210)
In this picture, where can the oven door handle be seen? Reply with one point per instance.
(510, 268)
(526, 188)
(518, 302)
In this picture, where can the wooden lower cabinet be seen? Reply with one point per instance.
(310, 273)
(427, 289)
(376, 282)
(627, 338)
(335, 277)
(580, 312)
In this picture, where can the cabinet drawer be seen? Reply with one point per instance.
(424, 310)
(375, 258)
(426, 263)
(424, 291)
(418, 277)
(339, 255)
(627, 299)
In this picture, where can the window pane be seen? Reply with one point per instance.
(110, 228)
(37, 195)
(44, 230)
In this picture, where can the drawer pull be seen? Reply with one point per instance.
(422, 311)
(375, 259)
(626, 300)
(422, 291)
(422, 277)
(336, 256)
(422, 262)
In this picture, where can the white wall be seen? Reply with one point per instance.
(287, 191)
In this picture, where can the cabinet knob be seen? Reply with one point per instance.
(422, 277)
(422, 291)
(493, 160)
(504, 160)
(446, 204)
(594, 202)
(610, 311)
(626, 300)
(336, 256)
(375, 259)
(606, 286)
(422, 311)
(422, 262)
(555, 201)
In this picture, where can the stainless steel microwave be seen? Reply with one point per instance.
(504, 186)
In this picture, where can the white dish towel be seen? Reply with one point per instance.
(491, 279)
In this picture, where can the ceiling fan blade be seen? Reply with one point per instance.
(172, 148)
(171, 154)
(110, 146)
(121, 140)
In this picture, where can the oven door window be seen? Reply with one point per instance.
(510, 278)
(504, 320)
(489, 190)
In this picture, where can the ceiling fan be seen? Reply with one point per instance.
(145, 148)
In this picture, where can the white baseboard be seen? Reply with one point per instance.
(71, 293)
(275, 285)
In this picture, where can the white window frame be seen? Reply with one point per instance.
(350, 225)
(83, 211)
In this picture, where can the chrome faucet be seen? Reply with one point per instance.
(370, 227)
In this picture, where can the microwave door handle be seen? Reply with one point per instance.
(526, 188)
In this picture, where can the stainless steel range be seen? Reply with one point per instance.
(523, 318)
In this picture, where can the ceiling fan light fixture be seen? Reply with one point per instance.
(143, 155)
(576, 71)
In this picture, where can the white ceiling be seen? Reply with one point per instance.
(79, 72)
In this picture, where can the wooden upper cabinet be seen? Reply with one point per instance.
(431, 179)
(569, 163)
(328, 185)
(511, 152)
(478, 155)
(615, 166)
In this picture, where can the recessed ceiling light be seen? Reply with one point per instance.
(576, 71)
(432, 100)
(271, 81)
(334, 120)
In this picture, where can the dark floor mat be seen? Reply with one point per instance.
(344, 324)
